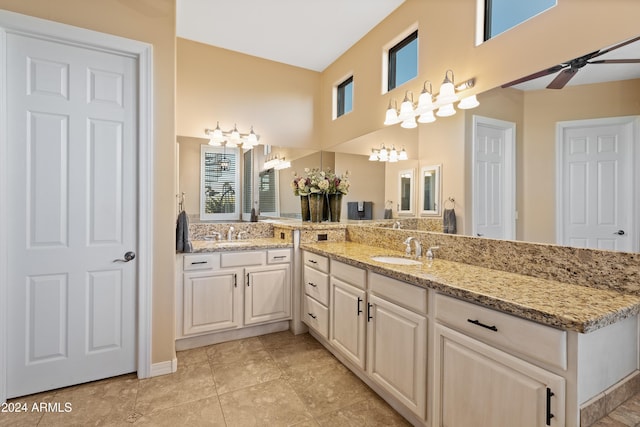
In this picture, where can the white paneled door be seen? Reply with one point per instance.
(493, 178)
(73, 181)
(596, 187)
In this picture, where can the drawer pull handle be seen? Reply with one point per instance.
(369, 317)
(248, 279)
(199, 262)
(280, 257)
(312, 284)
(549, 414)
(478, 323)
(312, 315)
(313, 261)
(359, 309)
(235, 280)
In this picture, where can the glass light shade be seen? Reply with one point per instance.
(447, 94)
(214, 142)
(393, 156)
(373, 157)
(217, 134)
(403, 155)
(406, 110)
(409, 123)
(446, 110)
(391, 117)
(427, 117)
(252, 139)
(383, 152)
(425, 103)
(468, 102)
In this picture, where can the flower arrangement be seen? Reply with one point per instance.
(318, 181)
(338, 184)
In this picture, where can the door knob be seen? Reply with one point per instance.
(127, 257)
(619, 232)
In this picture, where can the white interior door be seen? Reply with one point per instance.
(596, 183)
(72, 173)
(493, 178)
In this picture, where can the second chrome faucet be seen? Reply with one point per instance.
(416, 243)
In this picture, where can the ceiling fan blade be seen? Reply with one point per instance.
(615, 61)
(542, 73)
(602, 52)
(562, 78)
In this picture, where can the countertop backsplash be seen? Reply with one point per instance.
(587, 267)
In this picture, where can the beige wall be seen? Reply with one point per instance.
(151, 21)
(571, 28)
(367, 181)
(213, 84)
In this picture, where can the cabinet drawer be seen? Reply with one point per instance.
(513, 333)
(316, 284)
(243, 259)
(276, 256)
(318, 262)
(200, 262)
(350, 274)
(402, 293)
(316, 316)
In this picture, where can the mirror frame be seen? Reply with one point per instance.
(435, 170)
(411, 176)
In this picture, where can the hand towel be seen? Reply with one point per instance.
(183, 244)
(449, 221)
(388, 214)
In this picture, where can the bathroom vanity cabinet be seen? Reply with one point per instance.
(376, 324)
(445, 361)
(223, 291)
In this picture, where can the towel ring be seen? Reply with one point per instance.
(450, 200)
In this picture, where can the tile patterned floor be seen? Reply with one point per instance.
(625, 415)
(274, 380)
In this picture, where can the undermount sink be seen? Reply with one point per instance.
(395, 260)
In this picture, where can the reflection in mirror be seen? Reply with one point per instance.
(430, 190)
(405, 181)
(219, 183)
(267, 192)
(595, 92)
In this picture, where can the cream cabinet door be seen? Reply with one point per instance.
(348, 321)
(267, 295)
(397, 352)
(212, 301)
(481, 386)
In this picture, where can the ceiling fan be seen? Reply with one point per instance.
(569, 69)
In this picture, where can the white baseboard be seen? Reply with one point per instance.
(164, 368)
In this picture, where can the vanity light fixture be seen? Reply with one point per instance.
(277, 163)
(232, 138)
(424, 110)
(387, 155)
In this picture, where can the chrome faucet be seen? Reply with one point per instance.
(241, 235)
(230, 233)
(213, 236)
(417, 245)
(396, 225)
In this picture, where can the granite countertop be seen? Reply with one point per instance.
(200, 246)
(560, 305)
